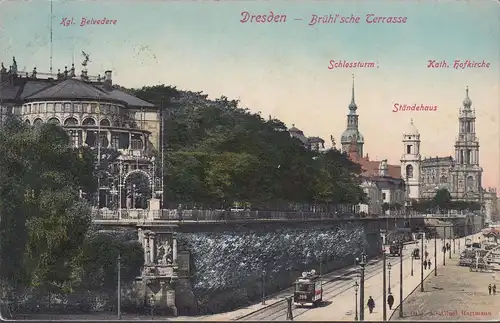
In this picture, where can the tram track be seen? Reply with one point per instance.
(277, 311)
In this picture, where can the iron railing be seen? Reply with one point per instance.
(131, 215)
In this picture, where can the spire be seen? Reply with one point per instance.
(467, 102)
(353, 106)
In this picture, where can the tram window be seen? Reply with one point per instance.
(304, 287)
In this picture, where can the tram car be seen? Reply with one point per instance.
(416, 253)
(308, 290)
(394, 250)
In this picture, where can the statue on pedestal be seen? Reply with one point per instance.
(164, 253)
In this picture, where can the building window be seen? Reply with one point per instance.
(70, 122)
(470, 183)
(54, 121)
(383, 196)
(115, 140)
(105, 123)
(136, 142)
(29, 108)
(37, 122)
(59, 107)
(408, 149)
(41, 107)
(443, 180)
(409, 171)
(67, 107)
(35, 108)
(88, 122)
(93, 108)
(86, 107)
(469, 156)
(77, 107)
(50, 107)
(124, 140)
(75, 137)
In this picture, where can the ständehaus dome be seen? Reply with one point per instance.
(411, 130)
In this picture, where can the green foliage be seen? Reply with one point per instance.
(44, 226)
(218, 154)
(442, 199)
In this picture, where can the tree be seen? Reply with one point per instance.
(386, 206)
(218, 153)
(442, 199)
(44, 224)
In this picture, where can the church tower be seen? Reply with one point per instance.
(410, 161)
(352, 130)
(467, 172)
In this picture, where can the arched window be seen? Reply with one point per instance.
(27, 121)
(105, 123)
(409, 171)
(37, 122)
(70, 122)
(443, 179)
(54, 121)
(470, 183)
(88, 122)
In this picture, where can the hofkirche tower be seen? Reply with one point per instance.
(352, 130)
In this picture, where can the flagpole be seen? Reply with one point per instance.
(98, 156)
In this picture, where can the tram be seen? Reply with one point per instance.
(308, 290)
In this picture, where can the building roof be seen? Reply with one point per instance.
(411, 129)
(37, 89)
(70, 89)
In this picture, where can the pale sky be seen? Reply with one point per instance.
(282, 68)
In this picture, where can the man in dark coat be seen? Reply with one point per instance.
(371, 304)
(390, 300)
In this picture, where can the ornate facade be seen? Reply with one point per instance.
(313, 143)
(461, 175)
(97, 115)
(352, 130)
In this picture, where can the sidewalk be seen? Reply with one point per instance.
(455, 294)
(344, 304)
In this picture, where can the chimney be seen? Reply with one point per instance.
(108, 80)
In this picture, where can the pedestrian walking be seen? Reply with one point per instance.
(390, 300)
(371, 304)
(429, 264)
(494, 289)
(425, 264)
(489, 289)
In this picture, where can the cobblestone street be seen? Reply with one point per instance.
(455, 294)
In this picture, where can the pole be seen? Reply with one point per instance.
(51, 18)
(389, 279)
(162, 146)
(444, 250)
(362, 290)
(356, 306)
(435, 255)
(384, 293)
(411, 273)
(98, 156)
(263, 290)
(449, 238)
(422, 262)
(119, 287)
(401, 281)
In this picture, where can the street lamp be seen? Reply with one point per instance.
(400, 280)
(119, 287)
(422, 261)
(435, 254)
(389, 266)
(356, 288)
(362, 263)
(412, 257)
(262, 286)
(384, 295)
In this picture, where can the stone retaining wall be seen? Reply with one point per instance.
(227, 266)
